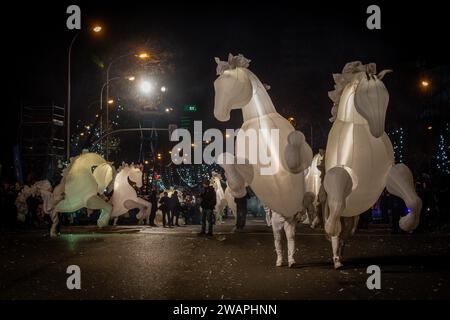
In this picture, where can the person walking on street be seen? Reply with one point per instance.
(208, 202)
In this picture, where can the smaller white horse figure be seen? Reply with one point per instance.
(359, 158)
(312, 187)
(221, 201)
(87, 176)
(125, 196)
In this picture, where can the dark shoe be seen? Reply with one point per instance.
(209, 234)
(177, 224)
(164, 226)
(153, 225)
(201, 234)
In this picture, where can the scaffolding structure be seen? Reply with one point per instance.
(42, 140)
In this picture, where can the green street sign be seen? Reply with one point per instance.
(190, 108)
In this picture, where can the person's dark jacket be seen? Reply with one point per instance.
(208, 197)
(164, 201)
(154, 199)
(174, 202)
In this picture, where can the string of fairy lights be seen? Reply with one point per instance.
(397, 137)
(443, 150)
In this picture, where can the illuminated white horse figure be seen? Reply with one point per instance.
(86, 176)
(221, 201)
(359, 159)
(312, 187)
(125, 197)
(281, 190)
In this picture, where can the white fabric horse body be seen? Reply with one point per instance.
(87, 175)
(282, 189)
(125, 196)
(359, 159)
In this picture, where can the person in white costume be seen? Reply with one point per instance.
(359, 158)
(280, 226)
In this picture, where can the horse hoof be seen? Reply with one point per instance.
(292, 263)
(337, 264)
(279, 263)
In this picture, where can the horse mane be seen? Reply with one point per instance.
(233, 62)
(342, 79)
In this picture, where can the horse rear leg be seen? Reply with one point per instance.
(338, 185)
(97, 203)
(400, 183)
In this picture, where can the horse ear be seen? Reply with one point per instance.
(217, 60)
(383, 73)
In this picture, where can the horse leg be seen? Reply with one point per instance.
(289, 230)
(143, 208)
(115, 221)
(349, 225)
(55, 222)
(338, 185)
(297, 152)
(400, 183)
(277, 227)
(96, 203)
(308, 204)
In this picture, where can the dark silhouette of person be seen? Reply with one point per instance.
(208, 202)
(165, 209)
(154, 202)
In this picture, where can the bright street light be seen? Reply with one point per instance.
(146, 87)
(163, 89)
(131, 78)
(144, 55)
(97, 28)
(425, 83)
(110, 101)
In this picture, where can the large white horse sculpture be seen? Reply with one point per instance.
(282, 191)
(359, 159)
(125, 196)
(86, 176)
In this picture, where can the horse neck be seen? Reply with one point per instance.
(260, 104)
(346, 110)
(122, 183)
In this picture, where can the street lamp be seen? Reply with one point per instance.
(425, 83)
(109, 101)
(146, 86)
(96, 29)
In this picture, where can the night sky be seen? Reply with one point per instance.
(293, 48)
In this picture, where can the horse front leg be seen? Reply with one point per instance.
(400, 183)
(298, 153)
(338, 185)
(97, 203)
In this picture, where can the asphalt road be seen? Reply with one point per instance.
(156, 263)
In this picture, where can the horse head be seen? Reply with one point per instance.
(233, 88)
(371, 97)
(104, 175)
(135, 174)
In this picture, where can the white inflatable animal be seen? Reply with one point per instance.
(280, 184)
(125, 196)
(359, 159)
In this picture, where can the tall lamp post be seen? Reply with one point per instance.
(96, 29)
